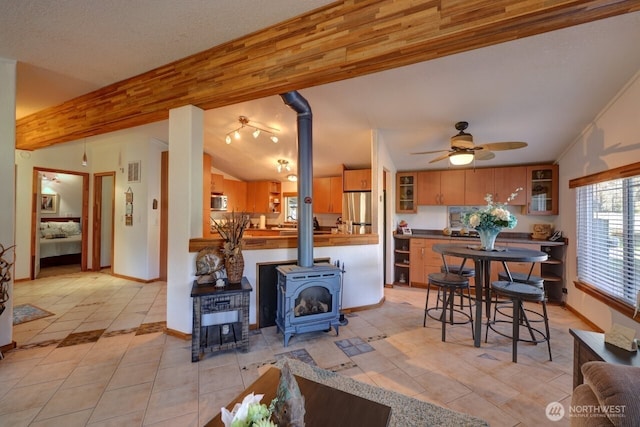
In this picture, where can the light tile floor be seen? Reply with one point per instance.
(134, 375)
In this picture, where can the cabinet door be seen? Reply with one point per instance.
(452, 187)
(321, 195)
(429, 188)
(406, 192)
(477, 184)
(507, 180)
(417, 260)
(357, 180)
(542, 191)
(217, 183)
(335, 205)
(258, 196)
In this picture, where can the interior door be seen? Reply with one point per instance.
(103, 215)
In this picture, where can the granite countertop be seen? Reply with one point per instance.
(504, 236)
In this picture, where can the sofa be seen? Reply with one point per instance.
(609, 396)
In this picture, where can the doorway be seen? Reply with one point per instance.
(55, 212)
(103, 220)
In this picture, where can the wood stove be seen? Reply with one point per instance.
(308, 299)
(308, 293)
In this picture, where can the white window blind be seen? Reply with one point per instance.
(608, 237)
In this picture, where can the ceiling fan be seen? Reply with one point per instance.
(463, 151)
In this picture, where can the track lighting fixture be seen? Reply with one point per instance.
(283, 165)
(257, 131)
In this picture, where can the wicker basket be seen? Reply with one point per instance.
(235, 267)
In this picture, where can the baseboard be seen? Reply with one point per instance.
(177, 334)
(364, 307)
(584, 319)
(5, 348)
(134, 279)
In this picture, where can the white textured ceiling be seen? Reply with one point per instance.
(544, 90)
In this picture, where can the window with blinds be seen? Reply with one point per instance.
(608, 237)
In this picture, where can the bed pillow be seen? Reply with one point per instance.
(53, 233)
(70, 228)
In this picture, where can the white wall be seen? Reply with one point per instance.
(69, 190)
(611, 141)
(7, 178)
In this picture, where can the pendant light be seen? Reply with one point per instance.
(84, 154)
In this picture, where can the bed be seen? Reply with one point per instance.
(60, 241)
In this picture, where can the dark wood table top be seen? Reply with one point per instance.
(502, 254)
(324, 405)
(607, 352)
(229, 288)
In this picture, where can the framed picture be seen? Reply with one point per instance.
(48, 203)
(405, 230)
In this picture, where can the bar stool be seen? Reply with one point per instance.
(519, 293)
(460, 270)
(529, 279)
(449, 284)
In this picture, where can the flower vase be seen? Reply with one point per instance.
(488, 238)
(234, 265)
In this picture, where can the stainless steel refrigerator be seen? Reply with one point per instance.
(356, 211)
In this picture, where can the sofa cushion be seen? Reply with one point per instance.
(617, 388)
(583, 396)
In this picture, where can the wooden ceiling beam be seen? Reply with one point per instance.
(339, 41)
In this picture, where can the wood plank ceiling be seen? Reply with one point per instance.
(336, 42)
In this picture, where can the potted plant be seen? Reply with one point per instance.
(231, 228)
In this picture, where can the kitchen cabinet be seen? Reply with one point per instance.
(406, 192)
(206, 195)
(357, 180)
(441, 187)
(327, 195)
(542, 190)
(264, 196)
(477, 184)
(507, 180)
(401, 260)
(217, 183)
(236, 192)
(417, 264)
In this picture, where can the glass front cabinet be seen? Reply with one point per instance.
(406, 192)
(542, 193)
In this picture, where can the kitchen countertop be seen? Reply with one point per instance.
(504, 237)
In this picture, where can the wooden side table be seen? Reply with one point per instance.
(229, 324)
(589, 346)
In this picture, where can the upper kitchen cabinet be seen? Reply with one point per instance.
(357, 180)
(264, 196)
(477, 184)
(441, 187)
(507, 181)
(236, 192)
(542, 190)
(217, 183)
(327, 195)
(406, 183)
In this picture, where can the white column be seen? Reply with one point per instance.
(186, 140)
(7, 178)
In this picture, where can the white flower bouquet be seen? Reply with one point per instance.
(494, 216)
(249, 413)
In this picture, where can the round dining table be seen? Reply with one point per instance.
(482, 260)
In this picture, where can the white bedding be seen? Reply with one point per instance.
(63, 246)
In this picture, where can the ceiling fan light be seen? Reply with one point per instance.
(459, 159)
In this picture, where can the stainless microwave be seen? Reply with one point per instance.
(218, 202)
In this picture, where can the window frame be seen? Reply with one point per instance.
(622, 172)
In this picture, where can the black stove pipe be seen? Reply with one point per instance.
(305, 176)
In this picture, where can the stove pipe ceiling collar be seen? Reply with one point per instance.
(305, 176)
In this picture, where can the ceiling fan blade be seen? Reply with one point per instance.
(501, 146)
(484, 155)
(442, 157)
(430, 152)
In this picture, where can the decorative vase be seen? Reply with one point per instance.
(234, 265)
(488, 237)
